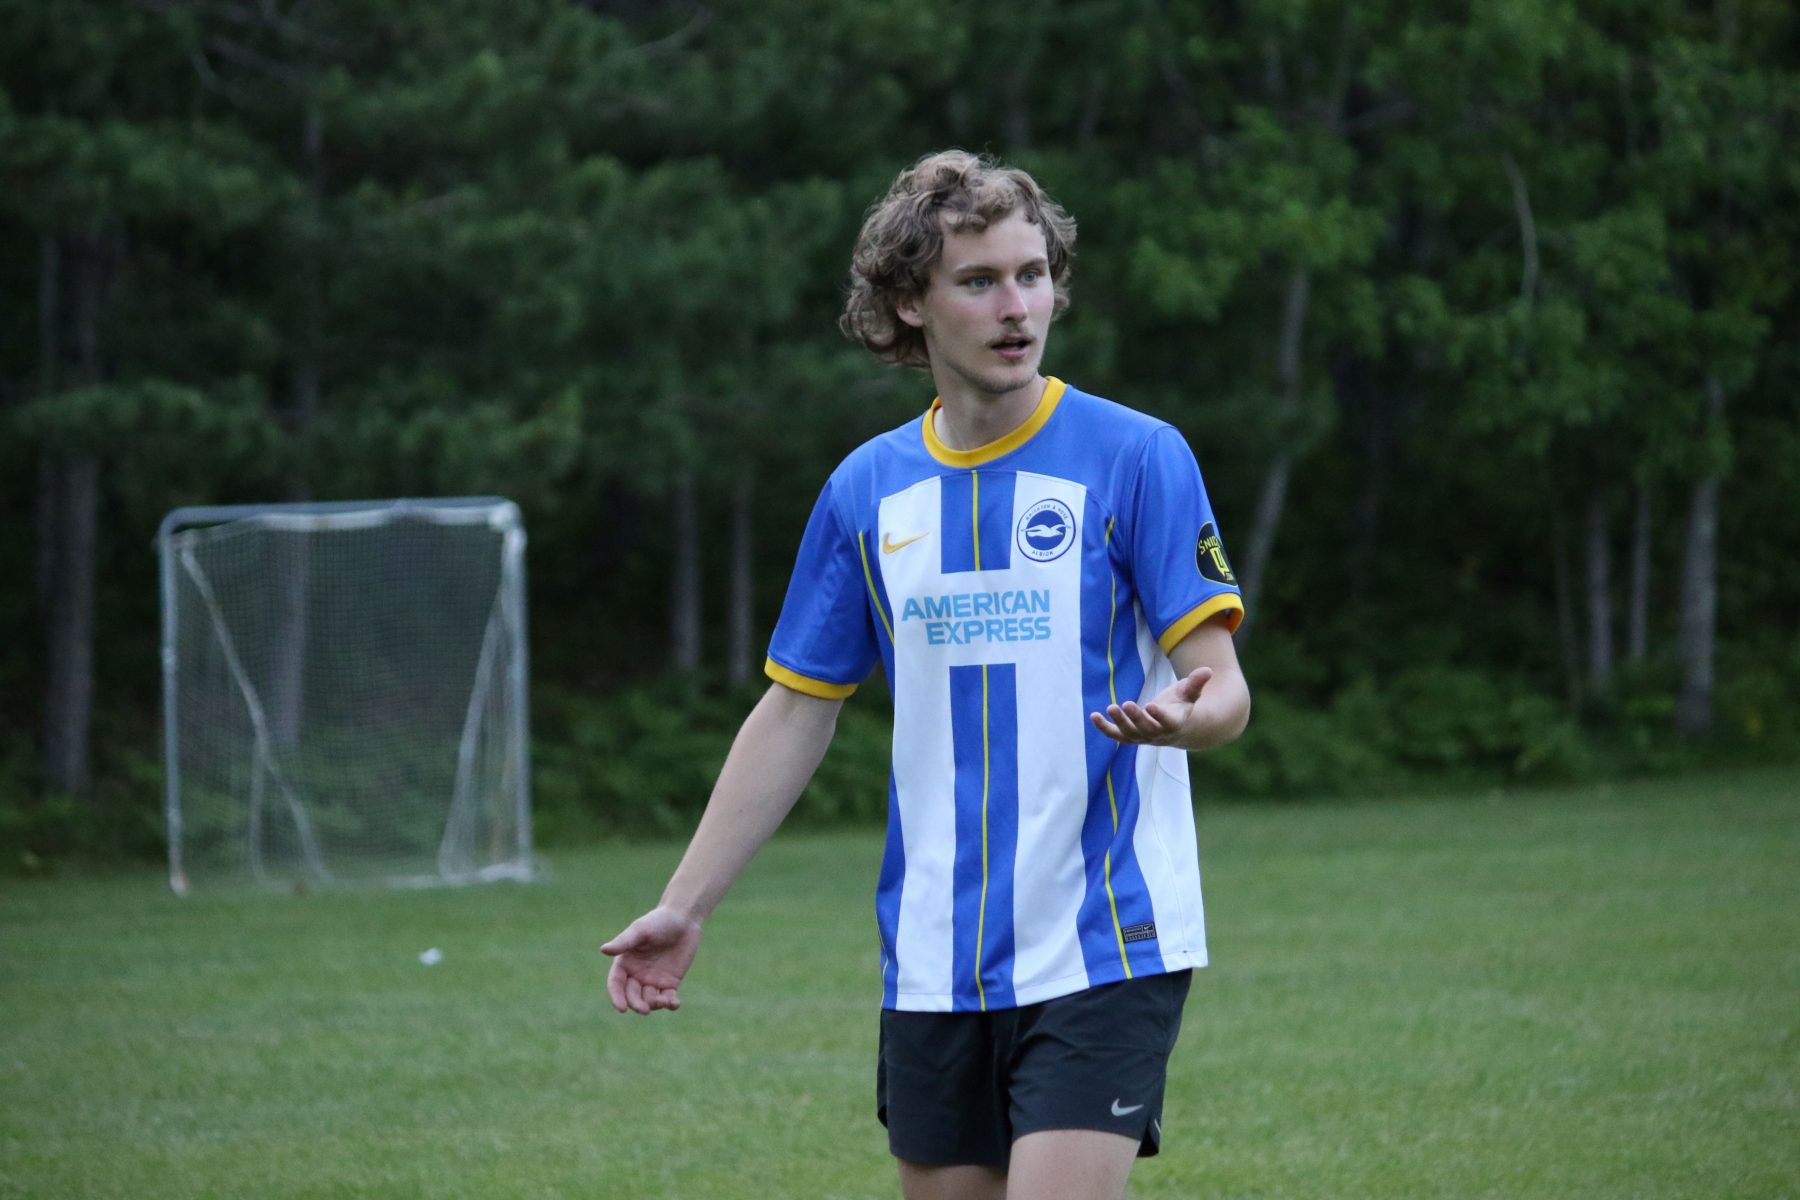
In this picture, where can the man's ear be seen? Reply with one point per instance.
(908, 310)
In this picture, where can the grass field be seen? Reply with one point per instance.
(1588, 993)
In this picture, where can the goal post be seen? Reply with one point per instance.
(344, 692)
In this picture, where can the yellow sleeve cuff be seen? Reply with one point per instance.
(805, 684)
(1229, 603)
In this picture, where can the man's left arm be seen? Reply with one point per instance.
(1208, 704)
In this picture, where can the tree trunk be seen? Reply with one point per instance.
(1026, 48)
(1637, 635)
(1567, 636)
(684, 578)
(1374, 414)
(1599, 598)
(68, 706)
(304, 387)
(741, 657)
(1270, 500)
(1699, 588)
(72, 494)
(1528, 238)
(49, 370)
(1273, 496)
(293, 565)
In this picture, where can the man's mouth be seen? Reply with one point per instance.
(1012, 347)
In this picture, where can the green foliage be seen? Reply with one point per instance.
(569, 253)
(1290, 751)
(1755, 702)
(157, 418)
(1423, 724)
(643, 760)
(42, 831)
(1457, 721)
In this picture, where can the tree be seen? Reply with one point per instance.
(105, 157)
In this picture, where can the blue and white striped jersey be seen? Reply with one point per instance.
(1009, 591)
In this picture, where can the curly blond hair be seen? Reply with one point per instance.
(903, 235)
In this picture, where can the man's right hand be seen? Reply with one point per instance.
(772, 757)
(650, 957)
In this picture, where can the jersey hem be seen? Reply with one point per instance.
(806, 684)
(1052, 989)
(1229, 603)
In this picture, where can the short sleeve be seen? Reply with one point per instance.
(1177, 558)
(824, 644)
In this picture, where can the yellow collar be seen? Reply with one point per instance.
(1006, 443)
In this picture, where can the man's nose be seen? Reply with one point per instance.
(1012, 301)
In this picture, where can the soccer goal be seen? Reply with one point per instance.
(344, 692)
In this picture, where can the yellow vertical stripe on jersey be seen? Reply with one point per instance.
(975, 513)
(1112, 690)
(986, 773)
(862, 548)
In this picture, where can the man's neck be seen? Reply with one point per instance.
(969, 419)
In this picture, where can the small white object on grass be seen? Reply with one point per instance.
(432, 957)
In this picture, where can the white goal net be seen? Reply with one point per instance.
(344, 692)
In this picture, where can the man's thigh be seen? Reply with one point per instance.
(918, 1182)
(1071, 1164)
(1063, 1164)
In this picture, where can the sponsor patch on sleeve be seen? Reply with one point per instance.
(1139, 933)
(1210, 554)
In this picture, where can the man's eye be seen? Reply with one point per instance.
(1031, 276)
(979, 282)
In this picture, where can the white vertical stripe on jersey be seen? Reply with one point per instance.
(1184, 946)
(924, 766)
(1164, 838)
(1053, 796)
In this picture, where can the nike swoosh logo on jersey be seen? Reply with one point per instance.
(1124, 1112)
(889, 545)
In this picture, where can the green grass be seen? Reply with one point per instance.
(1587, 993)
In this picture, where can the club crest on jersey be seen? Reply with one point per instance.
(1046, 530)
(1210, 554)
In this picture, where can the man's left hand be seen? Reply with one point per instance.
(1160, 722)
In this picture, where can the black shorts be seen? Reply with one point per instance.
(959, 1088)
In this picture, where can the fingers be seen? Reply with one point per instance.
(1148, 724)
(1133, 724)
(1153, 724)
(615, 985)
(1119, 729)
(629, 993)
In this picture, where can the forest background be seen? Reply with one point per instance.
(1480, 318)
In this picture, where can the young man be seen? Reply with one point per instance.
(1039, 573)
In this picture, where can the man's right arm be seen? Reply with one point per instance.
(774, 755)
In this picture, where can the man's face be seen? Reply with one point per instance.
(986, 310)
